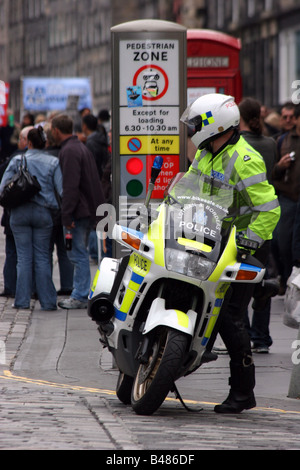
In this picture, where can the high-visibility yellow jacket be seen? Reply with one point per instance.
(243, 168)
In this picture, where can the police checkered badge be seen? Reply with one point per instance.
(207, 118)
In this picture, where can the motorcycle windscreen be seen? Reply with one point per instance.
(200, 214)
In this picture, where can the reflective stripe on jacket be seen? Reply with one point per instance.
(243, 168)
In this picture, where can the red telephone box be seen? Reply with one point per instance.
(212, 64)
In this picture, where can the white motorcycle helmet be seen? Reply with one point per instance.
(210, 116)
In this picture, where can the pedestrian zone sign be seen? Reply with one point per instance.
(149, 99)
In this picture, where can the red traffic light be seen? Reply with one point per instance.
(134, 166)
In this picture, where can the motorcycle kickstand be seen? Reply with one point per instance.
(178, 396)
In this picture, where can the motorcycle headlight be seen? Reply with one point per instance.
(189, 264)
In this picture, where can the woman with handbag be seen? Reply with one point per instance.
(31, 223)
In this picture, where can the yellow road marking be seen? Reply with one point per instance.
(9, 376)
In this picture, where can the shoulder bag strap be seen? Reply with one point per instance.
(23, 163)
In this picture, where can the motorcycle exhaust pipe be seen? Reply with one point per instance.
(101, 310)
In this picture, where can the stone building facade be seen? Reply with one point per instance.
(72, 38)
(270, 34)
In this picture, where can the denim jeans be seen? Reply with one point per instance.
(93, 245)
(79, 257)
(31, 225)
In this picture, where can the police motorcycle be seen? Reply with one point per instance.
(158, 308)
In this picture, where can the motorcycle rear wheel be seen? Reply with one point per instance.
(124, 387)
(155, 379)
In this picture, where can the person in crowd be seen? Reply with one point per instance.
(15, 126)
(96, 142)
(40, 120)
(28, 120)
(104, 122)
(271, 124)
(270, 121)
(32, 225)
(82, 194)
(8, 138)
(51, 114)
(106, 242)
(10, 263)
(286, 180)
(50, 146)
(23, 139)
(287, 121)
(251, 129)
(224, 155)
(77, 124)
(65, 266)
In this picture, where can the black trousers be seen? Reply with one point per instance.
(232, 328)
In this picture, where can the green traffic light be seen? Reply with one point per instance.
(134, 188)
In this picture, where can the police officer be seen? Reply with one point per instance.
(224, 154)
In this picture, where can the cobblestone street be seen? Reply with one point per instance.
(58, 392)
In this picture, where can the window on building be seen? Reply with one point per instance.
(251, 8)
(297, 53)
(268, 5)
(289, 65)
(2, 15)
(2, 58)
(235, 11)
(30, 8)
(220, 13)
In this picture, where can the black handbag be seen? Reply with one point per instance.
(21, 188)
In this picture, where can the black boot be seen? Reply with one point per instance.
(242, 382)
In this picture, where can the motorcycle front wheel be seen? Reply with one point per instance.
(124, 387)
(155, 379)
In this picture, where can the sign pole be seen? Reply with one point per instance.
(148, 98)
(294, 386)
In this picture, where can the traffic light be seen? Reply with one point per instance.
(133, 176)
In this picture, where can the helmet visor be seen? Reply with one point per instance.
(194, 123)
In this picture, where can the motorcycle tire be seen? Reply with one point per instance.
(124, 387)
(155, 379)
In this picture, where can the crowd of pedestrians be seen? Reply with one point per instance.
(279, 144)
(275, 134)
(81, 163)
(69, 166)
